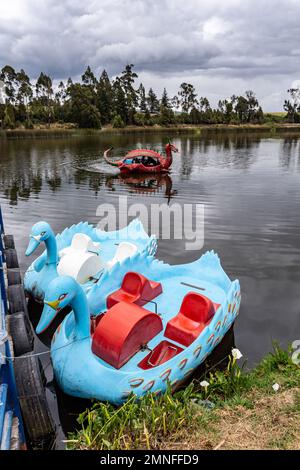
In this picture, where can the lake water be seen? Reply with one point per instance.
(249, 185)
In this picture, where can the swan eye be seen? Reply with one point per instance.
(62, 296)
(43, 233)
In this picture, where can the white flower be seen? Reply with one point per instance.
(276, 387)
(204, 383)
(236, 353)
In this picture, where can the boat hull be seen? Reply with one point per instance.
(91, 377)
(139, 168)
(143, 161)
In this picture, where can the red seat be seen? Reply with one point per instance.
(135, 288)
(195, 314)
(122, 331)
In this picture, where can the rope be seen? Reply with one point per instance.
(11, 359)
(43, 353)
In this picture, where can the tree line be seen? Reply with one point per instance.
(94, 102)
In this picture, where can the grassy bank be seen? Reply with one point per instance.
(237, 410)
(56, 131)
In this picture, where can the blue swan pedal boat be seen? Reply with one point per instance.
(155, 324)
(81, 251)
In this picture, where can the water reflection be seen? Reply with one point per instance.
(22, 186)
(144, 184)
(94, 180)
(290, 153)
(26, 165)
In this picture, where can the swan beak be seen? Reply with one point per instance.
(48, 314)
(53, 304)
(33, 244)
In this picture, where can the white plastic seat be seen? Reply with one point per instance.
(80, 260)
(81, 242)
(124, 250)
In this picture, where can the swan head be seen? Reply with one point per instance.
(60, 292)
(171, 147)
(39, 233)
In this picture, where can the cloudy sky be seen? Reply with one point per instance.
(221, 46)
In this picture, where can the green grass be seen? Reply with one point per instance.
(134, 424)
(159, 422)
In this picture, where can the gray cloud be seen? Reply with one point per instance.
(237, 43)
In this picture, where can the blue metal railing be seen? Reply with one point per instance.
(9, 403)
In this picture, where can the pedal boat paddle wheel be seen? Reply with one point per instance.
(154, 325)
(143, 160)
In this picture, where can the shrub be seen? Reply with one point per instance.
(89, 117)
(9, 118)
(118, 122)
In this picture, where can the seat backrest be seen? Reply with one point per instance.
(197, 307)
(125, 250)
(133, 283)
(94, 247)
(80, 241)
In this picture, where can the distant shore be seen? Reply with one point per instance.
(55, 130)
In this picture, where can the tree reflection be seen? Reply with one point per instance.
(218, 149)
(21, 186)
(289, 156)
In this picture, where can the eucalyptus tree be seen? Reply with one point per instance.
(225, 107)
(69, 83)
(105, 98)
(120, 103)
(152, 101)
(166, 113)
(60, 110)
(175, 102)
(61, 93)
(253, 105)
(187, 97)
(88, 78)
(165, 102)
(24, 94)
(24, 91)
(81, 109)
(240, 104)
(142, 99)
(44, 96)
(292, 106)
(126, 80)
(44, 87)
(204, 104)
(8, 76)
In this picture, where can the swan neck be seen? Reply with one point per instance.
(51, 245)
(81, 313)
(169, 156)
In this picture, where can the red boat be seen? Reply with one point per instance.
(144, 160)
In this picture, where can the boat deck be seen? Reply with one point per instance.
(168, 304)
